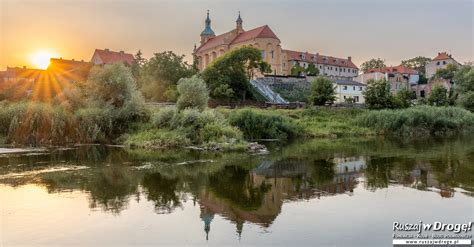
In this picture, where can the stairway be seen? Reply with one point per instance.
(267, 92)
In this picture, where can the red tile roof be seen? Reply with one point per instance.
(310, 58)
(229, 39)
(109, 57)
(259, 32)
(442, 56)
(395, 69)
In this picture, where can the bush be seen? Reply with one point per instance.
(466, 100)
(258, 125)
(193, 93)
(419, 121)
(322, 91)
(438, 96)
(377, 95)
(163, 118)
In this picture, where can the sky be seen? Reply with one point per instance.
(388, 29)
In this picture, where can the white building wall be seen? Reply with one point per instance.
(432, 66)
(345, 91)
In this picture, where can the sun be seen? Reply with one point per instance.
(40, 59)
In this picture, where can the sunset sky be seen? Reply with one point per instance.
(392, 30)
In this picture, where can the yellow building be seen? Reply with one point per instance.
(213, 46)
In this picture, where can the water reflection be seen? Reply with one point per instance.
(240, 187)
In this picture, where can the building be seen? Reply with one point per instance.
(327, 65)
(349, 89)
(16, 74)
(263, 38)
(213, 46)
(439, 62)
(107, 56)
(423, 90)
(69, 70)
(399, 77)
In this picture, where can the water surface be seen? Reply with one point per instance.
(318, 193)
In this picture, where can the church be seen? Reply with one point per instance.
(263, 38)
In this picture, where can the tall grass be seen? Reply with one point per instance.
(419, 121)
(257, 124)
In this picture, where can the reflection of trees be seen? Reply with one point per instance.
(377, 172)
(322, 172)
(235, 184)
(111, 188)
(162, 191)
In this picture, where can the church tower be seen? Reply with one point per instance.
(207, 33)
(239, 27)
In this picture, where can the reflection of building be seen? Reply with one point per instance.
(287, 181)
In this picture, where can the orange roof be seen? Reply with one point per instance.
(395, 69)
(228, 39)
(259, 32)
(109, 57)
(320, 59)
(442, 56)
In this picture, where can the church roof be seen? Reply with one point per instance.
(228, 39)
(320, 59)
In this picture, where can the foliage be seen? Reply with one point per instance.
(138, 64)
(234, 69)
(464, 78)
(419, 121)
(161, 74)
(322, 91)
(297, 70)
(312, 70)
(264, 125)
(466, 100)
(417, 63)
(446, 73)
(112, 87)
(223, 92)
(377, 94)
(374, 63)
(403, 98)
(294, 94)
(438, 96)
(193, 93)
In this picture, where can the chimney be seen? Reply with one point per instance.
(82, 60)
(72, 60)
(24, 67)
(121, 52)
(349, 58)
(106, 49)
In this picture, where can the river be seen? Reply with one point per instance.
(344, 192)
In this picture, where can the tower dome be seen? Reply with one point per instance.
(207, 29)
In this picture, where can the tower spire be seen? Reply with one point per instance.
(207, 33)
(239, 27)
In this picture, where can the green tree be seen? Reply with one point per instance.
(193, 93)
(138, 64)
(159, 76)
(446, 73)
(438, 96)
(235, 69)
(377, 94)
(417, 63)
(312, 70)
(322, 91)
(297, 70)
(374, 63)
(464, 83)
(403, 98)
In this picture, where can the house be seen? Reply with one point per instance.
(69, 70)
(263, 38)
(349, 89)
(439, 62)
(399, 77)
(16, 74)
(423, 90)
(327, 65)
(107, 56)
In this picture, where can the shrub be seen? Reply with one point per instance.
(466, 100)
(258, 125)
(419, 121)
(163, 118)
(158, 138)
(322, 91)
(438, 96)
(193, 93)
(377, 95)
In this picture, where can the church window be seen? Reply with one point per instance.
(263, 53)
(273, 54)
